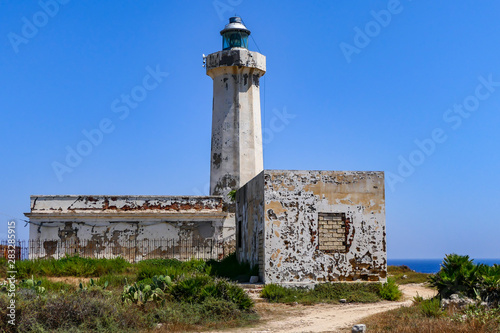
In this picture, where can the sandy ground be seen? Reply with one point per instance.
(326, 317)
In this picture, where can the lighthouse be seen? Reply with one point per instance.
(236, 152)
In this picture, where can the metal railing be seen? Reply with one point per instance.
(131, 250)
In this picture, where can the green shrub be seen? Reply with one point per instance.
(198, 288)
(431, 307)
(275, 293)
(390, 290)
(459, 275)
(220, 309)
(488, 283)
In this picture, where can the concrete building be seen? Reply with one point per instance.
(300, 227)
(305, 227)
(134, 227)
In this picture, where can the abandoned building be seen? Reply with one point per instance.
(303, 227)
(299, 227)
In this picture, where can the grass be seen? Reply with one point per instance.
(397, 272)
(324, 293)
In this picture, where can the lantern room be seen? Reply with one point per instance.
(235, 34)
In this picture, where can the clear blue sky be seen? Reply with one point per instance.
(350, 85)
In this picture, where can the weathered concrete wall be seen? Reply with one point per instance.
(351, 205)
(250, 223)
(116, 221)
(62, 204)
(236, 155)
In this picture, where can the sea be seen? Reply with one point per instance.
(432, 265)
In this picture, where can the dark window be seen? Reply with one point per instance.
(239, 233)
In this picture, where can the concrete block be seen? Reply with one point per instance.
(359, 328)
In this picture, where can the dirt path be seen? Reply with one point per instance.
(326, 317)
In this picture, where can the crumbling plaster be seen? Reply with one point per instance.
(291, 202)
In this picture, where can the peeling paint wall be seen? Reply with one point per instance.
(118, 221)
(236, 150)
(292, 203)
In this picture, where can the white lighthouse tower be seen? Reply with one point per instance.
(236, 155)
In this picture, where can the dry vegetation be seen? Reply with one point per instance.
(413, 320)
(458, 275)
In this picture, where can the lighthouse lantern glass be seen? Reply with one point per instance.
(234, 38)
